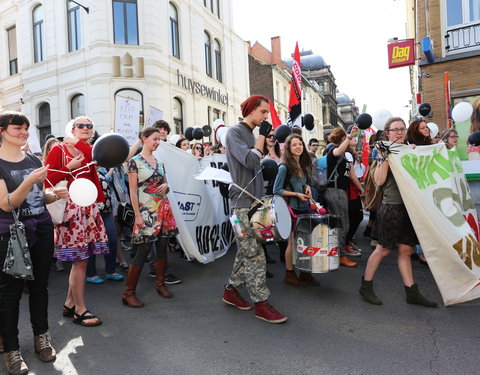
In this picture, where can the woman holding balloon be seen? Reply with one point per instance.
(82, 232)
(154, 221)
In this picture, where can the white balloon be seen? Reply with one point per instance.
(218, 122)
(462, 112)
(174, 139)
(380, 118)
(83, 192)
(220, 132)
(433, 129)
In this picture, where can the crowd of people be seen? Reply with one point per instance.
(28, 186)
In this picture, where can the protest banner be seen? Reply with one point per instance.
(440, 205)
(127, 118)
(153, 116)
(201, 213)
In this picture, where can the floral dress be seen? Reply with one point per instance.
(154, 208)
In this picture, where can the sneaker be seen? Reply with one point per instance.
(232, 297)
(373, 243)
(350, 250)
(59, 267)
(344, 261)
(170, 279)
(43, 348)
(115, 276)
(265, 311)
(95, 280)
(14, 363)
(152, 274)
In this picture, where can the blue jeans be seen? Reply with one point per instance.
(112, 247)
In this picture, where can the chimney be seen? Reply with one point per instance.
(276, 51)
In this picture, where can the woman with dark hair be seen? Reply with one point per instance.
(82, 231)
(394, 228)
(271, 148)
(21, 189)
(338, 172)
(154, 221)
(292, 183)
(450, 137)
(198, 150)
(418, 133)
(183, 143)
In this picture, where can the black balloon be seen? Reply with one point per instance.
(189, 133)
(282, 132)
(424, 109)
(308, 122)
(364, 121)
(197, 133)
(110, 150)
(474, 139)
(269, 169)
(207, 130)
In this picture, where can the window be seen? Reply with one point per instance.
(12, 50)
(77, 106)
(44, 123)
(218, 60)
(178, 115)
(74, 30)
(208, 55)
(462, 11)
(463, 25)
(38, 31)
(174, 35)
(125, 26)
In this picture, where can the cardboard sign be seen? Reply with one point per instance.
(127, 118)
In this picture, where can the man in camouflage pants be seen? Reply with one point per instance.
(243, 157)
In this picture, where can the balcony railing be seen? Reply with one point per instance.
(463, 38)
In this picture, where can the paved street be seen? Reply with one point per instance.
(330, 329)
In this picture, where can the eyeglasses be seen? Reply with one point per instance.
(270, 136)
(453, 136)
(198, 148)
(401, 130)
(81, 126)
(314, 145)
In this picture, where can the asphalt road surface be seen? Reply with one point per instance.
(330, 329)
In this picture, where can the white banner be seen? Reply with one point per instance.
(439, 203)
(127, 118)
(153, 116)
(202, 214)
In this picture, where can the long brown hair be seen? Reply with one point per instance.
(475, 119)
(304, 164)
(414, 136)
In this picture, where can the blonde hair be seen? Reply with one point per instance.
(71, 123)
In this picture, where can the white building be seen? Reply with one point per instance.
(62, 58)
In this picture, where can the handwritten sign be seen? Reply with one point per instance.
(127, 118)
(153, 116)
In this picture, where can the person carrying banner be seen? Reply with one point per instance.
(394, 228)
(243, 156)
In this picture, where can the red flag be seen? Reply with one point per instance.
(276, 122)
(295, 101)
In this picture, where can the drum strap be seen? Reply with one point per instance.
(253, 210)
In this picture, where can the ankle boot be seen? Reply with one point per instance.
(415, 298)
(292, 279)
(308, 279)
(160, 268)
(366, 290)
(129, 297)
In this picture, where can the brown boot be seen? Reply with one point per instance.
(308, 279)
(344, 261)
(160, 268)
(292, 279)
(129, 297)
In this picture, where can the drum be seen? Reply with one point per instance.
(316, 243)
(272, 221)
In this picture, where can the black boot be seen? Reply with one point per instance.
(415, 298)
(366, 290)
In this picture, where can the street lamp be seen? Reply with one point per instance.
(81, 6)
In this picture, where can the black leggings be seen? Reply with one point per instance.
(11, 290)
(142, 250)
(355, 216)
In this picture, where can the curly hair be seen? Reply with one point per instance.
(304, 164)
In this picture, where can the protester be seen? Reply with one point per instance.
(313, 147)
(292, 184)
(21, 188)
(451, 138)
(154, 221)
(107, 217)
(183, 143)
(394, 228)
(82, 232)
(338, 172)
(418, 132)
(243, 157)
(198, 151)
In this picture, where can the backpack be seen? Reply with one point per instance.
(321, 165)
(373, 192)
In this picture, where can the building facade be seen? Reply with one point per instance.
(447, 36)
(62, 58)
(347, 110)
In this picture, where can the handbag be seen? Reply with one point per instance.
(57, 208)
(125, 213)
(17, 260)
(373, 192)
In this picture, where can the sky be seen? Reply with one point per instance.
(351, 36)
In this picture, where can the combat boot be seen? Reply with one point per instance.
(307, 278)
(292, 279)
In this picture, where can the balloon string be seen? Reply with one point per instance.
(71, 172)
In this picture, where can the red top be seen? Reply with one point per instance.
(57, 159)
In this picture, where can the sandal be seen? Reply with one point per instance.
(79, 319)
(68, 312)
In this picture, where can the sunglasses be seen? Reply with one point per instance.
(81, 126)
(198, 148)
(270, 136)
